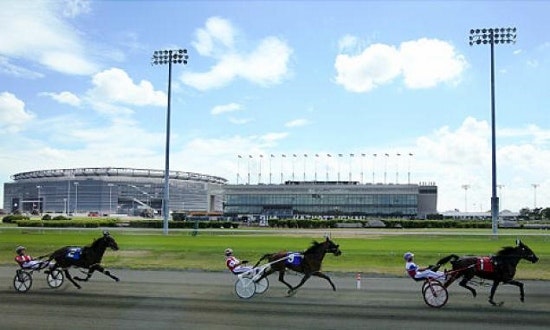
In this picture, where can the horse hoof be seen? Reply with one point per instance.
(291, 293)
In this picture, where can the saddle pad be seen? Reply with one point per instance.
(294, 259)
(74, 253)
(485, 264)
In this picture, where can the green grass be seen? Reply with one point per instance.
(372, 252)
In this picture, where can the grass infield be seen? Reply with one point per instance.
(370, 252)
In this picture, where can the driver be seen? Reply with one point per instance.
(417, 272)
(234, 264)
(26, 261)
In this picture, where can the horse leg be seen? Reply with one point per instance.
(282, 280)
(108, 273)
(520, 286)
(70, 278)
(492, 295)
(464, 284)
(321, 275)
(304, 279)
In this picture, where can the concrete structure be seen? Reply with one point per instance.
(330, 198)
(111, 190)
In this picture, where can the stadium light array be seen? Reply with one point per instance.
(162, 57)
(493, 36)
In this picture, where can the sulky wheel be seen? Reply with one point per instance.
(245, 287)
(55, 278)
(435, 295)
(22, 281)
(262, 285)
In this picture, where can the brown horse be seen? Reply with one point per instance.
(499, 268)
(307, 263)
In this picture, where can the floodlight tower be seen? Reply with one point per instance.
(493, 36)
(160, 57)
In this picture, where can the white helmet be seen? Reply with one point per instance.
(408, 255)
(228, 252)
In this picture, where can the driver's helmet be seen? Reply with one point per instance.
(228, 252)
(19, 249)
(408, 256)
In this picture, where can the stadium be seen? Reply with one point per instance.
(139, 192)
(99, 191)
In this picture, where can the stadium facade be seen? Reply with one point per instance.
(330, 199)
(140, 191)
(111, 191)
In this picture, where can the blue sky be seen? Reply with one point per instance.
(282, 78)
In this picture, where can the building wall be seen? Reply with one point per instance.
(329, 198)
(111, 190)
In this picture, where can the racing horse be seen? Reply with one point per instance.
(498, 268)
(87, 257)
(307, 263)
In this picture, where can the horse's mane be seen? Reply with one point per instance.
(507, 250)
(314, 245)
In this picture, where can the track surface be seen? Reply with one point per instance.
(206, 300)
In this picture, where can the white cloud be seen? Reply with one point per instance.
(428, 62)
(217, 33)
(462, 156)
(376, 65)
(114, 85)
(423, 63)
(64, 97)
(38, 26)
(74, 8)
(231, 107)
(13, 115)
(266, 64)
(297, 123)
(17, 71)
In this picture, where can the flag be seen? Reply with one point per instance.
(294, 155)
(340, 155)
(284, 155)
(410, 154)
(374, 155)
(272, 155)
(328, 155)
(249, 156)
(316, 155)
(363, 155)
(398, 154)
(240, 156)
(351, 155)
(387, 155)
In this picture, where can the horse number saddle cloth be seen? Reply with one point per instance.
(294, 259)
(74, 253)
(485, 264)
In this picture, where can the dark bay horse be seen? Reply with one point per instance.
(308, 263)
(87, 257)
(498, 268)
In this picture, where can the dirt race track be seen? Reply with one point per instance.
(206, 300)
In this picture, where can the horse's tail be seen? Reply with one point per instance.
(265, 256)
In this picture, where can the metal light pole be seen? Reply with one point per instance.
(110, 198)
(465, 187)
(535, 186)
(160, 57)
(493, 36)
(75, 197)
(39, 200)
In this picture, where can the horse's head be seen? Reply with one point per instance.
(525, 252)
(332, 247)
(109, 241)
